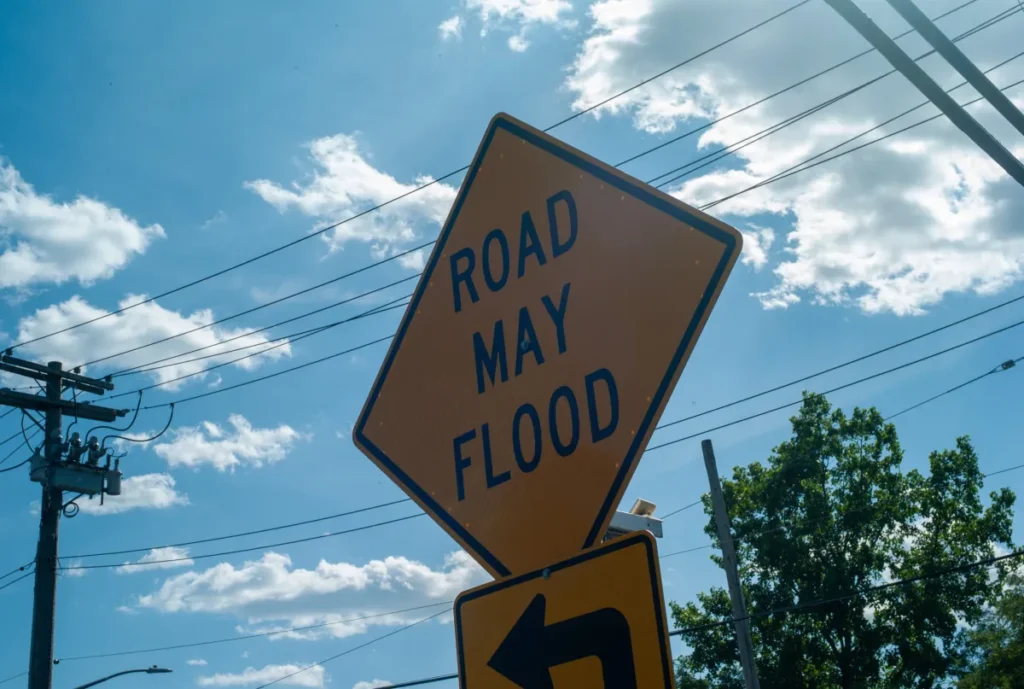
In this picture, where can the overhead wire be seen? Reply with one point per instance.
(386, 338)
(256, 635)
(801, 607)
(12, 582)
(272, 302)
(291, 337)
(731, 149)
(377, 207)
(254, 532)
(806, 165)
(285, 341)
(1005, 366)
(1002, 15)
(237, 551)
(864, 379)
(388, 522)
(352, 650)
(248, 333)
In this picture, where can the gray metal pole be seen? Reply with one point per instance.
(40, 666)
(739, 606)
(926, 85)
(945, 47)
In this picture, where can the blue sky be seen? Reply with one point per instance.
(145, 145)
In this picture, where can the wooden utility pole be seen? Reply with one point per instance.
(49, 468)
(739, 606)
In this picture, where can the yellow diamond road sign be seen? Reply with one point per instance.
(595, 620)
(551, 324)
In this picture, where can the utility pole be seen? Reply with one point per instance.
(739, 606)
(926, 85)
(961, 63)
(57, 474)
(40, 668)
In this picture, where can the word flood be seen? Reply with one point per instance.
(485, 462)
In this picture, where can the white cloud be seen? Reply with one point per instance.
(216, 219)
(146, 491)
(451, 28)
(372, 684)
(46, 241)
(158, 555)
(224, 449)
(313, 677)
(518, 43)
(270, 594)
(138, 326)
(196, 662)
(894, 227)
(74, 573)
(513, 15)
(345, 183)
(756, 243)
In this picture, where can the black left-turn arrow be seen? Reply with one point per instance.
(531, 648)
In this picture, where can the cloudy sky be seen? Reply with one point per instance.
(143, 146)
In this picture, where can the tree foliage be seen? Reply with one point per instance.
(829, 513)
(998, 643)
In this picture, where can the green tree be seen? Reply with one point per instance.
(831, 512)
(998, 643)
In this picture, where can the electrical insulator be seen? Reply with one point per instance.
(95, 453)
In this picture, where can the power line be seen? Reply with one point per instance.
(12, 582)
(853, 594)
(873, 376)
(754, 138)
(769, 97)
(421, 682)
(793, 170)
(998, 369)
(353, 649)
(273, 302)
(257, 635)
(274, 375)
(306, 314)
(20, 674)
(404, 195)
(185, 544)
(1002, 367)
(16, 466)
(17, 569)
(721, 153)
(682, 509)
(846, 363)
(736, 146)
(237, 551)
(328, 357)
(283, 342)
(861, 380)
(799, 607)
(764, 133)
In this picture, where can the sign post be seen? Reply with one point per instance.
(553, 319)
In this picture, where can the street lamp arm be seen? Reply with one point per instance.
(149, 671)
